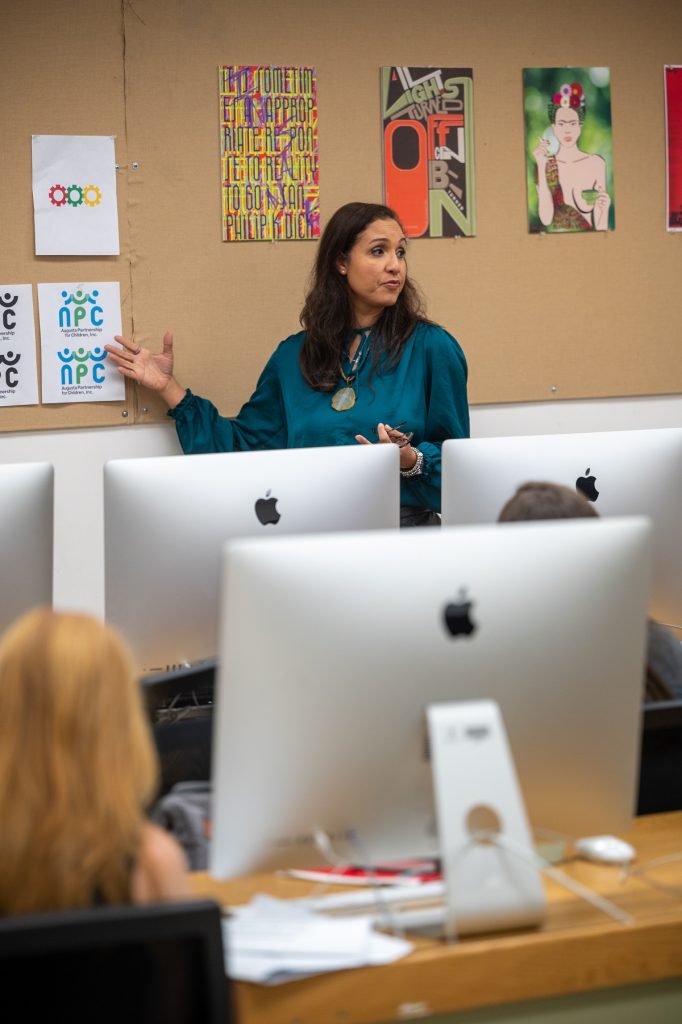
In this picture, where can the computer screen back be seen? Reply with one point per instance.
(26, 538)
(624, 472)
(332, 647)
(166, 520)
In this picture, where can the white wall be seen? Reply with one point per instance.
(79, 455)
(576, 417)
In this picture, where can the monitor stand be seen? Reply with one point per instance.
(492, 881)
(491, 871)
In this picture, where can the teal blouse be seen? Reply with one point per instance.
(426, 392)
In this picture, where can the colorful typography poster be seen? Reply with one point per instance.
(76, 321)
(18, 368)
(75, 209)
(428, 149)
(673, 135)
(268, 153)
(569, 164)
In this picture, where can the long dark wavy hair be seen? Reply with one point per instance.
(327, 315)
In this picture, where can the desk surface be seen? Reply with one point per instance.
(578, 949)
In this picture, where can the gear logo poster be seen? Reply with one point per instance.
(268, 153)
(76, 321)
(428, 149)
(569, 149)
(74, 195)
(18, 369)
(673, 135)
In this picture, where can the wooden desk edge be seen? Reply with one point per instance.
(487, 971)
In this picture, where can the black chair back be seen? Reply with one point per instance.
(123, 964)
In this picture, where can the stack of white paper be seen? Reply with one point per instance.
(271, 941)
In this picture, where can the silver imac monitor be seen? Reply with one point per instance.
(167, 518)
(331, 648)
(624, 472)
(26, 538)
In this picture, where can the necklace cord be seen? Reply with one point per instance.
(344, 398)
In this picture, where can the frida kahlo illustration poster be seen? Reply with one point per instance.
(268, 153)
(569, 149)
(428, 151)
(673, 136)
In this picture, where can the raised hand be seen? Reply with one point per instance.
(601, 209)
(541, 153)
(153, 370)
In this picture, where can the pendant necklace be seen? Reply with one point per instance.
(346, 396)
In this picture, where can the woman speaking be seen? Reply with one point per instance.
(368, 367)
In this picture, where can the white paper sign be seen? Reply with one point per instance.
(76, 321)
(74, 195)
(18, 367)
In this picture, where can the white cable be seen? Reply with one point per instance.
(642, 871)
(669, 858)
(532, 858)
(383, 907)
(449, 918)
(383, 900)
(325, 846)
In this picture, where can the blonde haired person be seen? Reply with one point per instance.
(77, 771)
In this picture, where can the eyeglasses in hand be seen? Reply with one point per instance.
(398, 437)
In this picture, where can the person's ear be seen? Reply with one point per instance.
(342, 265)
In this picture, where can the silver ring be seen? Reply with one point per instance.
(136, 351)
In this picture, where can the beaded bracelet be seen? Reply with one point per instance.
(417, 468)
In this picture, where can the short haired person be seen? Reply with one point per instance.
(541, 500)
(546, 501)
(77, 772)
(367, 364)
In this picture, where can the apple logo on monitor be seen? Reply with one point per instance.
(457, 616)
(266, 510)
(585, 484)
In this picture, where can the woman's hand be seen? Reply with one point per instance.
(541, 154)
(390, 435)
(601, 209)
(153, 370)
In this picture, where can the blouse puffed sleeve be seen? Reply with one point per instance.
(447, 412)
(260, 423)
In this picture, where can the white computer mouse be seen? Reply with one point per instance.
(605, 849)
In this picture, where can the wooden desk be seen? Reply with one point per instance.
(578, 950)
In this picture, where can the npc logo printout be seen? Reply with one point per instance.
(76, 321)
(18, 366)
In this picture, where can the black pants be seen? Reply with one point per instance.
(411, 515)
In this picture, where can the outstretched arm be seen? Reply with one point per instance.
(153, 370)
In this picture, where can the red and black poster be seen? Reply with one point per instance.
(428, 136)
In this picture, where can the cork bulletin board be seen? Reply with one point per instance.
(539, 316)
